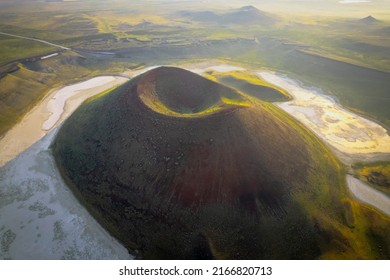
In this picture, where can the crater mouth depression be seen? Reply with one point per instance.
(176, 92)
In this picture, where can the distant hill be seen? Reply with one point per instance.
(244, 15)
(247, 15)
(180, 167)
(369, 20)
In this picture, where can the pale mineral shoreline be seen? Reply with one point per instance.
(50, 112)
(353, 138)
(40, 218)
(367, 194)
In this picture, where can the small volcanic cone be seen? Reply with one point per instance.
(177, 166)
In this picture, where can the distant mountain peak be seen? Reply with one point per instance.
(248, 15)
(369, 20)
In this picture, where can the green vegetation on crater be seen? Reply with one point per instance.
(165, 95)
(252, 85)
(377, 174)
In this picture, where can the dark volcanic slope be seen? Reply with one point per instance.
(177, 166)
(163, 91)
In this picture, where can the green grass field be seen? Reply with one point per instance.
(376, 174)
(252, 85)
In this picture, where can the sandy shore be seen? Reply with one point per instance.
(41, 219)
(369, 195)
(54, 108)
(56, 104)
(353, 137)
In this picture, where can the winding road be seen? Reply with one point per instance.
(35, 39)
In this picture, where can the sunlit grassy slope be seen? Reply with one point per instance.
(252, 85)
(22, 86)
(243, 180)
(165, 95)
(14, 49)
(19, 91)
(377, 174)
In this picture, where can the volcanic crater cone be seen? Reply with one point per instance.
(177, 166)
